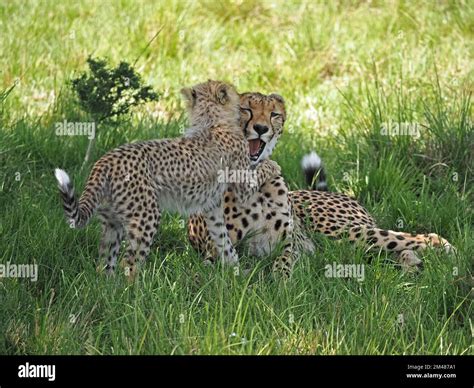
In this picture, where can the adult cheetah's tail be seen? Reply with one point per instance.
(314, 173)
(78, 213)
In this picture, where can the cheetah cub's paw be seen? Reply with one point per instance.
(271, 167)
(130, 271)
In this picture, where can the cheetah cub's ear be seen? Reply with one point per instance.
(222, 93)
(190, 96)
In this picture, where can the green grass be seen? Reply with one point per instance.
(344, 69)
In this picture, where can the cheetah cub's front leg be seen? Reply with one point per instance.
(218, 233)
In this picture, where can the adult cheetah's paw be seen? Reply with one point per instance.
(281, 271)
(438, 241)
(409, 261)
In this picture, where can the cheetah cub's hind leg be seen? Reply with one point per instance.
(112, 236)
(141, 224)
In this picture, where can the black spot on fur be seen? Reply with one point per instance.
(392, 245)
(277, 224)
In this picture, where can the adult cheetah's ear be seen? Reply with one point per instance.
(277, 97)
(222, 94)
(189, 95)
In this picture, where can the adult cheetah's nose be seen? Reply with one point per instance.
(260, 129)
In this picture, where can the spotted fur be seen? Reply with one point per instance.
(275, 214)
(129, 186)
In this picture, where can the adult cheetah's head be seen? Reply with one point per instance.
(262, 118)
(212, 103)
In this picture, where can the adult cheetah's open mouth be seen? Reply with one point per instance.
(256, 147)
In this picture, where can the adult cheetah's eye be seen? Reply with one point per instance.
(246, 110)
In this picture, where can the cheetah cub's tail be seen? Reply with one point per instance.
(313, 171)
(77, 213)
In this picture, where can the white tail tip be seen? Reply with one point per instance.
(311, 161)
(62, 178)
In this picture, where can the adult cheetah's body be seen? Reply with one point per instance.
(276, 214)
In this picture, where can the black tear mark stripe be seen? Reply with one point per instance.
(249, 120)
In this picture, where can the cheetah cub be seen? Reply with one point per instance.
(130, 185)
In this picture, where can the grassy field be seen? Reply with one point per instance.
(347, 69)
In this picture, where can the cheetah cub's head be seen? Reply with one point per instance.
(262, 119)
(212, 103)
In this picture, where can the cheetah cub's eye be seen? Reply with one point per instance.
(274, 114)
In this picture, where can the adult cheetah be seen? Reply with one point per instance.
(130, 185)
(273, 213)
